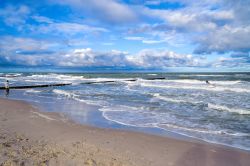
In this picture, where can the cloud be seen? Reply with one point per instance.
(42, 19)
(225, 39)
(110, 11)
(26, 21)
(211, 26)
(31, 52)
(27, 51)
(232, 62)
(164, 59)
(144, 40)
(200, 28)
(12, 44)
(87, 57)
(14, 16)
(145, 59)
(68, 29)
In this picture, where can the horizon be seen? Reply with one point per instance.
(125, 36)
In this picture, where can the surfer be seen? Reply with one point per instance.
(211, 85)
(7, 88)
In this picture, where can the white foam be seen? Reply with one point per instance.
(192, 81)
(13, 74)
(225, 108)
(76, 97)
(65, 93)
(157, 95)
(202, 75)
(108, 79)
(203, 87)
(202, 130)
(54, 78)
(33, 91)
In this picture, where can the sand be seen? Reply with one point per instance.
(30, 137)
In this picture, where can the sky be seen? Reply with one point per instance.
(130, 35)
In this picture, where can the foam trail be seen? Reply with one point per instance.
(157, 95)
(224, 108)
(65, 93)
(76, 97)
(33, 91)
(205, 87)
(193, 81)
(200, 130)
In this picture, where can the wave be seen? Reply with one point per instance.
(225, 108)
(157, 95)
(170, 127)
(202, 75)
(209, 105)
(193, 81)
(65, 93)
(10, 75)
(205, 87)
(33, 91)
(202, 130)
(108, 79)
(77, 97)
(56, 77)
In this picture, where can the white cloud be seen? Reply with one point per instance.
(42, 19)
(164, 59)
(159, 59)
(14, 16)
(212, 26)
(88, 57)
(136, 38)
(104, 10)
(19, 17)
(67, 28)
(144, 40)
(27, 51)
(12, 44)
(225, 39)
(30, 52)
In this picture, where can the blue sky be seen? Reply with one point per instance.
(162, 35)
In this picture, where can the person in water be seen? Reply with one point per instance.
(7, 88)
(207, 82)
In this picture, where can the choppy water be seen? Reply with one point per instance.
(182, 103)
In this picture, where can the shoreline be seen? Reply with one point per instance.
(110, 124)
(123, 147)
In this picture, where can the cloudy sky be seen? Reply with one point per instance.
(162, 35)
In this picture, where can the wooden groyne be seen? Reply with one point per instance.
(65, 84)
(155, 78)
(35, 86)
(101, 82)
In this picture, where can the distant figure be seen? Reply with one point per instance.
(7, 85)
(207, 82)
(7, 88)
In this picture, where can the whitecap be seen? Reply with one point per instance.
(225, 108)
(33, 91)
(204, 87)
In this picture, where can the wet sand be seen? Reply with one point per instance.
(30, 137)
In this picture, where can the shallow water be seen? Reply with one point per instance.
(183, 103)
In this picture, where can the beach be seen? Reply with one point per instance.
(30, 137)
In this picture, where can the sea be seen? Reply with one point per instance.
(182, 103)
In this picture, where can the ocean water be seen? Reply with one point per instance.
(182, 103)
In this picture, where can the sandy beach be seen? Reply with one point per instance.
(30, 137)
